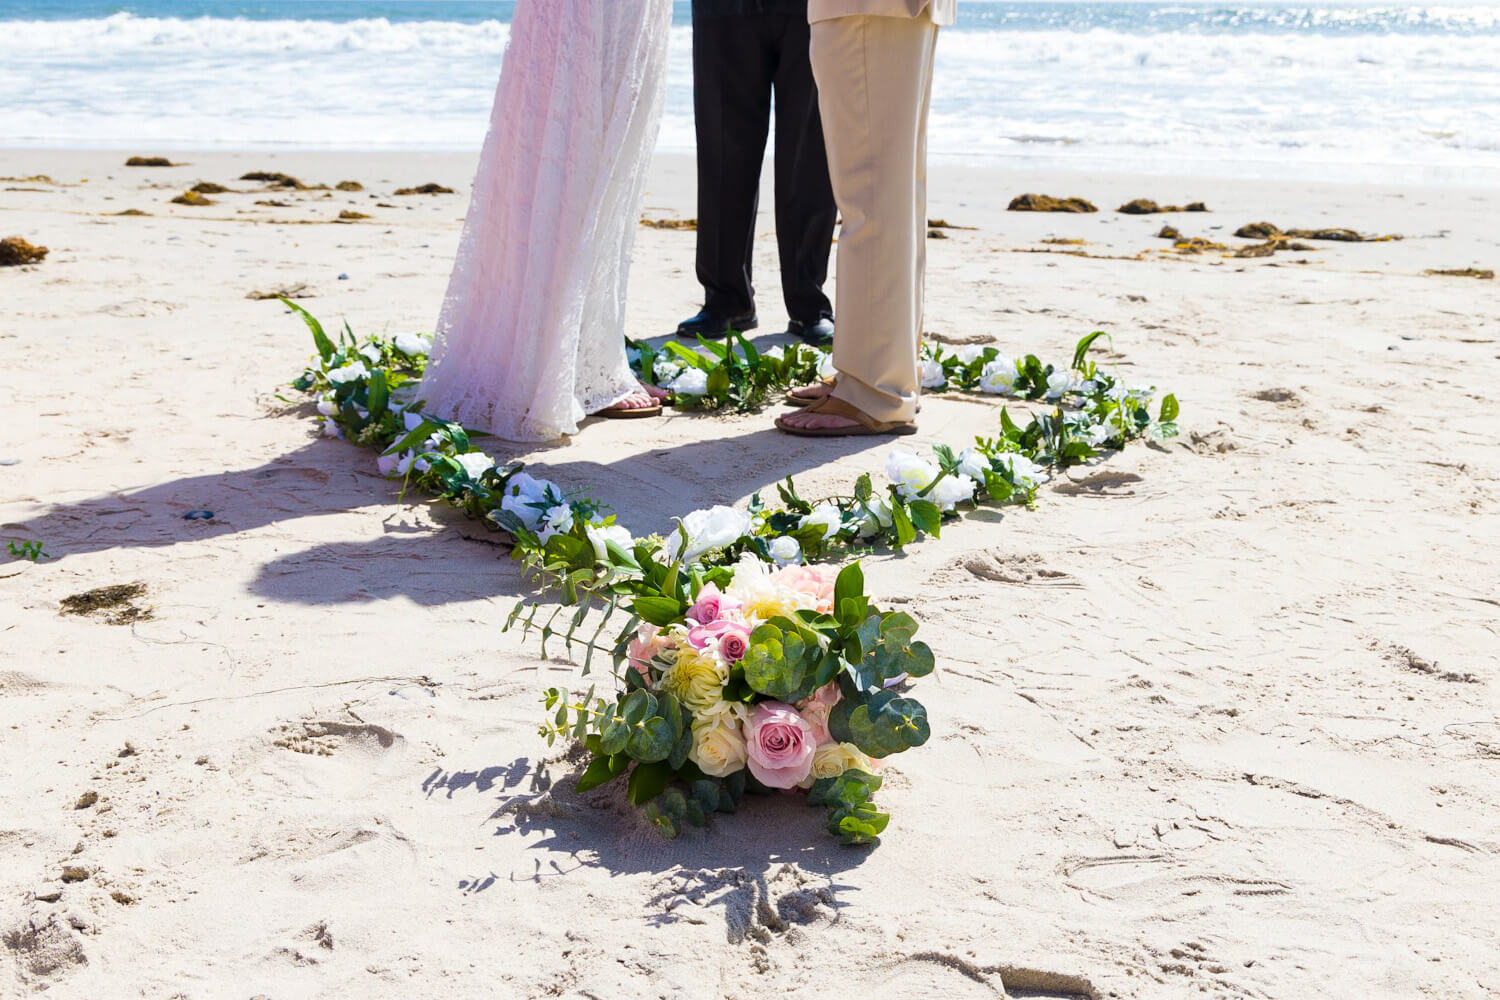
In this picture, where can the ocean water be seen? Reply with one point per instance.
(1353, 91)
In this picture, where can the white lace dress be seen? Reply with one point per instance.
(531, 336)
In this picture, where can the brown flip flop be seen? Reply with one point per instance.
(629, 412)
(864, 424)
(792, 399)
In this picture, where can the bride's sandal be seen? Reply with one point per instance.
(862, 424)
(622, 411)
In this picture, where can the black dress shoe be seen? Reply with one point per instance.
(713, 326)
(818, 333)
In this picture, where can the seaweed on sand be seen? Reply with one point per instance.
(1047, 203)
(428, 188)
(15, 251)
(149, 161)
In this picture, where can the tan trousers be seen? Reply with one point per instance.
(874, 78)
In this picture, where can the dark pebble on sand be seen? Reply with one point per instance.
(198, 515)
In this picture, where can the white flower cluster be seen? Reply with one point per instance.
(715, 528)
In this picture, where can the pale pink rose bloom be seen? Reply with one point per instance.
(816, 707)
(781, 745)
(645, 647)
(730, 638)
(711, 606)
(816, 582)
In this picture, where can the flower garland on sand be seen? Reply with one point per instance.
(740, 667)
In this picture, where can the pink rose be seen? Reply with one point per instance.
(816, 707)
(781, 745)
(731, 638)
(645, 647)
(711, 606)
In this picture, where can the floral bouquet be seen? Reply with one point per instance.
(753, 678)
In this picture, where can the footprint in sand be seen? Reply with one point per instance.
(1017, 568)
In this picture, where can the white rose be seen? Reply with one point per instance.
(826, 516)
(666, 370)
(969, 353)
(1024, 472)
(998, 378)
(692, 382)
(524, 508)
(785, 551)
(972, 464)
(349, 373)
(413, 344)
(331, 429)
(371, 353)
(395, 464)
(932, 374)
(878, 516)
(475, 463)
(950, 491)
(910, 473)
(600, 534)
(532, 490)
(719, 742)
(557, 521)
(1098, 434)
(327, 406)
(1059, 383)
(708, 530)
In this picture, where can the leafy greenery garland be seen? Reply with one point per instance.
(575, 546)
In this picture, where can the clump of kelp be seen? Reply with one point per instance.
(209, 187)
(118, 604)
(1269, 230)
(15, 251)
(1482, 273)
(429, 188)
(193, 198)
(150, 161)
(1145, 206)
(274, 179)
(685, 225)
(1048, 203)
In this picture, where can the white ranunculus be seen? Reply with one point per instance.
(475, 463)
(327, 406)
(909, 472)
(826, 516)
(1024, 472)
(878, 516)
(371, 353)
(349, 373)
(331, 428)
(785, 550)
(413, 344)
(998, 378)
(707, 530)
(825, 365)
(969, 353)
(600, 534)
(951, 491)
(932, 374)
(692, 382)
(973, 464)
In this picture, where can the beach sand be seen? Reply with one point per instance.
(1217, 718)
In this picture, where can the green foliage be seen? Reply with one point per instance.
(29, 550)
(852, 817)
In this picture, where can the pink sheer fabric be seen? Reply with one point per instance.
(531, 336)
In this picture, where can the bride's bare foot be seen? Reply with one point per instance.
(640, 403)
(655, 393)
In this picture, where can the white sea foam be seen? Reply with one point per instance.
(1259, 101)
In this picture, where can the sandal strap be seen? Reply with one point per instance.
(835, 407)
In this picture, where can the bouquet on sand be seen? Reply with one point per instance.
(752, 678)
